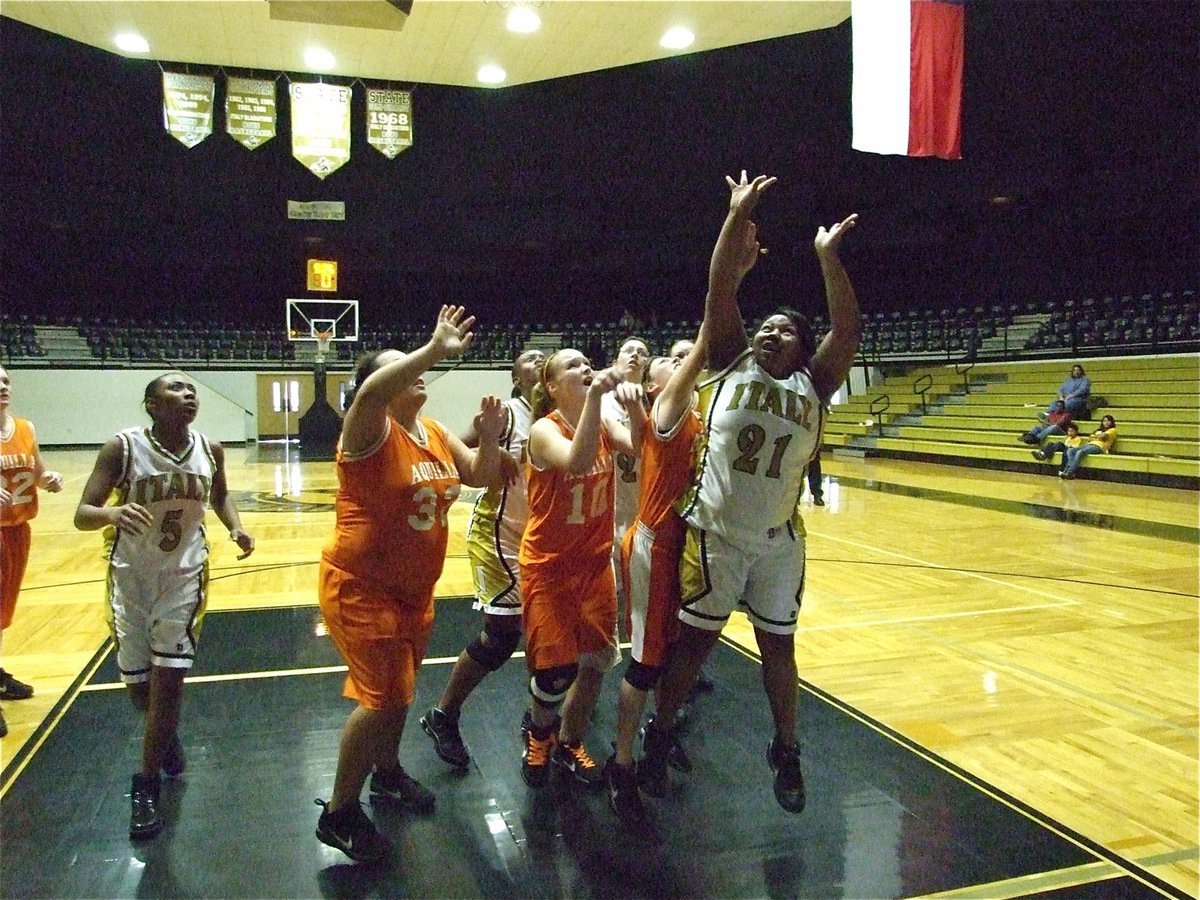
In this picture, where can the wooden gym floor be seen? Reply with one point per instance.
(998, 699)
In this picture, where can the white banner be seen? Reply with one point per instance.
(320, 126)
(250, 111)
(389, 121)
(188, 107)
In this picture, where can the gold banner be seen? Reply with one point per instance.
(250, 111)
(320, 126)
(389, 121)
(188, 107)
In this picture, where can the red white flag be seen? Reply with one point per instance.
(908, 76)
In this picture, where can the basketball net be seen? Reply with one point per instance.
(323, 340)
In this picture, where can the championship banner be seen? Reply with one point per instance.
(320, 126)
(389, 121)
(188, 107)
(250, 111)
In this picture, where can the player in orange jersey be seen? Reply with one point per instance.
(21, 474)
(398, 474)
(566, 560)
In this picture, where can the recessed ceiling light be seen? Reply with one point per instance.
(491, 74)
(523, 20)
(319, 58)
(677, 38)
(131, 43)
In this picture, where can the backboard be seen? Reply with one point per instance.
(322, 320)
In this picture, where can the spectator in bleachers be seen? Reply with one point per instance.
(1074, 393)
(1056, 423)
(1070, 442)
(1099, 441)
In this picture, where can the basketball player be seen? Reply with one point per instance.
(166, 477)
(566, 561)
(493, 539)
(652, 547)
(744, 547)
(21, 474)
(632, 358)
(398, 475)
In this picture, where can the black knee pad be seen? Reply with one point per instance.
(494, 646)
(641, 676)
(549, 686)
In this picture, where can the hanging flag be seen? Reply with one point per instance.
(389, 121)
(908, 76)
(320, 126)
(188, 107)
(250, 110)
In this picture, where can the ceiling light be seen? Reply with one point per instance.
(523, 20)
(129, 42)
(491, 74)
(319, 58)
(677, 38)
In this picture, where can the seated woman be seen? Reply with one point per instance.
(1074, 393)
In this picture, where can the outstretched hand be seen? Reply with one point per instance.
(491, 419)
(605, 381)
(452, 335)
(744, 194)
(828, 241)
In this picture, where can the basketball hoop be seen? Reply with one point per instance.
(323, 340)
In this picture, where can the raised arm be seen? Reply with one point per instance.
(549, 449)
(628, 439)
(481, 466)
(366, 419)
(831, 363)
(676, 397)
(224, 506)
(722, 316)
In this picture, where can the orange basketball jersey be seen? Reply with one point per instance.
(17, 473)
(391, 506)
(570, 516)
(666, 468)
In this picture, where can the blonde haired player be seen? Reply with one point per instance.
(566, 561)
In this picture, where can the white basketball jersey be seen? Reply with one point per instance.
(175, 491)
(501, 512)
(627, 471)
(759, 434)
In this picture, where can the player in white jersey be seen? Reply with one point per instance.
(745, 543)
(165, 477)
(633, 357)
(493, 539)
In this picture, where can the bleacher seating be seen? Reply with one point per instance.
(1153, 399)
(1164, 322)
